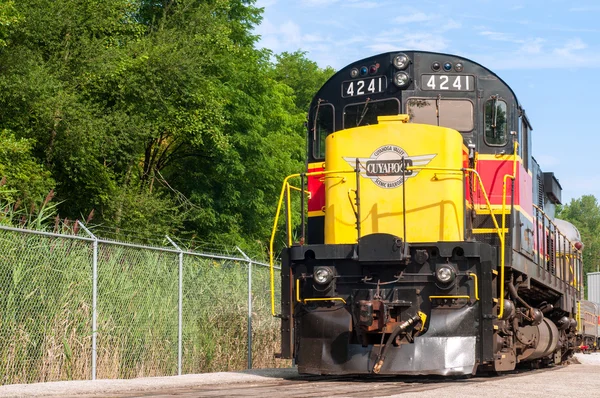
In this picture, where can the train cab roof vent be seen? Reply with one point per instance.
(552, 188)
(540, 190)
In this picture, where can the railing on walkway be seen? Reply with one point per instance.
(571, 259)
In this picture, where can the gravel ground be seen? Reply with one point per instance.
(573, 381)
(116, 386)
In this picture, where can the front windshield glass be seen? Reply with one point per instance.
(456, 114)
(323, 127)
(366, 113)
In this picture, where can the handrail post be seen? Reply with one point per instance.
(179, 307)
(288, 209)
(404, 204)
(249, 306)
(276, 221)
(503, 232)
(94, 297)
(302, 210)
(358, 216)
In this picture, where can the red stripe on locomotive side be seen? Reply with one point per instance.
(317, 190)
(492, 174)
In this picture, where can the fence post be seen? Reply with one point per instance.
(180, 309)
(249, 307)
(94, 296)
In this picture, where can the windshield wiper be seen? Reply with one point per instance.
(437, 108)
(364, 112)
(494, 115)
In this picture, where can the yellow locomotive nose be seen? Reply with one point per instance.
(432, 182)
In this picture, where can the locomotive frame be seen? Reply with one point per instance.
(429, 244)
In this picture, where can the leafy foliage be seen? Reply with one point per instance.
(158, 115)
(584, 213)
(20, 170)
(302, 75)
(9, 17)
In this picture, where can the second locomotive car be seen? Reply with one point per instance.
(588, 316)
(429, 245)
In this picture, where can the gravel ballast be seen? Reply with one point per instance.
(573, 381)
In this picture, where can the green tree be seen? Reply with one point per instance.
(9, 17)
(23, 178)
(161, 116)
(584, 213)
(304, 76)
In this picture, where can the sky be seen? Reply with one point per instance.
(547, 51)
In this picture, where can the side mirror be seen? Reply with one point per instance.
(515, 139)
(471, 146)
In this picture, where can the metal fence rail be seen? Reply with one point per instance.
(80, 307)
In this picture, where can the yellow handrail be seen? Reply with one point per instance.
(298, 291)
(450, 297)
(284, 189)
(503, 232)
(476, 174)
(576, 255)
(298, 299)
(289, 214)
(300, 190)
(474, 276)
(579, 315)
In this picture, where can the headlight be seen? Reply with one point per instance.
(445, 274)
(323, 275)
(401, 61)
(401, 79)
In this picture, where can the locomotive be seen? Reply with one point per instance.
(588, 326)
(427, 241)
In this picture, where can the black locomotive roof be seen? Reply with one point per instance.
(344, 72)
(420, 64)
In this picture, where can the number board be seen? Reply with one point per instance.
(448, 82)
(373, 85)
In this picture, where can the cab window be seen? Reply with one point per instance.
(496, 126)
(364, 114)
(525, 143)
(323, 127)
(456, 114)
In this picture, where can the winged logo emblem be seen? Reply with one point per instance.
(384, 167)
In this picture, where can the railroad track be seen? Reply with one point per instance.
(327, 386)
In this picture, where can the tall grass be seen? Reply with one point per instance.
(46, 314)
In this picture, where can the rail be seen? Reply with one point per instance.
(500, 230)
(579, 325)
(304, 301)
(573, 258)
(502, 233)
(285, 194)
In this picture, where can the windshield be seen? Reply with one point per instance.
(456, 114)
(366, 113)
(324, 125)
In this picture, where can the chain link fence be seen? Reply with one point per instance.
(80, 307)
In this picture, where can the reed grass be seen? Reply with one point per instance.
(46, 312)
